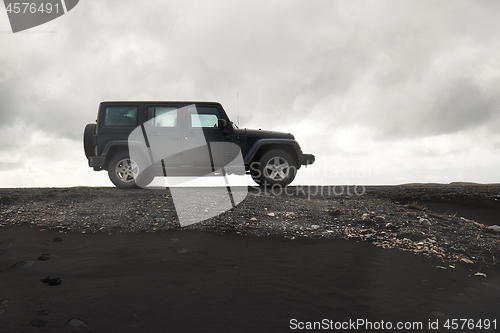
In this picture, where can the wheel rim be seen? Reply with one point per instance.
(277, 168)
(126, 170)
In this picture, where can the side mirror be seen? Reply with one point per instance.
(222, 123)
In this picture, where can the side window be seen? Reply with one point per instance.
(120, 116)
(206, 117)
(164, 116)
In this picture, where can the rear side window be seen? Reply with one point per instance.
(120, 116)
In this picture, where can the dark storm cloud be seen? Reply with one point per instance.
(462, 106)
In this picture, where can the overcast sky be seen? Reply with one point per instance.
(382, 92)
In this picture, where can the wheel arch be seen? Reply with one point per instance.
(264, 145)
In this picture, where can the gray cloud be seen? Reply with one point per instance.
(399, 69)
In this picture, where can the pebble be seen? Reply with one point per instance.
(494, 228)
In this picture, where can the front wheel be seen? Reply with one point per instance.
(123, 172)
(275, 167)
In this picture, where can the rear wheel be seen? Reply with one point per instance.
(126, 173)
(275, 167)
(88, 143)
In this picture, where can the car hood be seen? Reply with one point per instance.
(263, 134)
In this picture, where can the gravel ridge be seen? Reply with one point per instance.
(386, 216)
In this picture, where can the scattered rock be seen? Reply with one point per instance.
(315, 227)
(271, 214)
(182, 251)
(493, 228)
(379, 219)
(467, 261)
(424, 221)
(441, 267)
(43, 257)
(253, 219)
(334, 211)
(480, 274)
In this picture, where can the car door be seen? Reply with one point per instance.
(202, 135)
(164, 133)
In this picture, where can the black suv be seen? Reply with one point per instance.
(271, 158)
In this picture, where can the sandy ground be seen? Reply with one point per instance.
(106, 260)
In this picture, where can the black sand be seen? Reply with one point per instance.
(218, 280)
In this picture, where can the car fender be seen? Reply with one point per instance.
(263, 142)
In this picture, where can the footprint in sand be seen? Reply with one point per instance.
(438, 313)
(76, 322)
(38, 322)
(25, 263)
(43, 312)
(51, 281)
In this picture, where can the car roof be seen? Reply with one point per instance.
(160, 101)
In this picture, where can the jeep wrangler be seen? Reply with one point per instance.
(271, 158)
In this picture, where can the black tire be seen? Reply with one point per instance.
(275, 167)
(88, 144)
(122, 171)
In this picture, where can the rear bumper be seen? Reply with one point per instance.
(96, 162)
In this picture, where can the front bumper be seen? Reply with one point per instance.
(307, 159)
